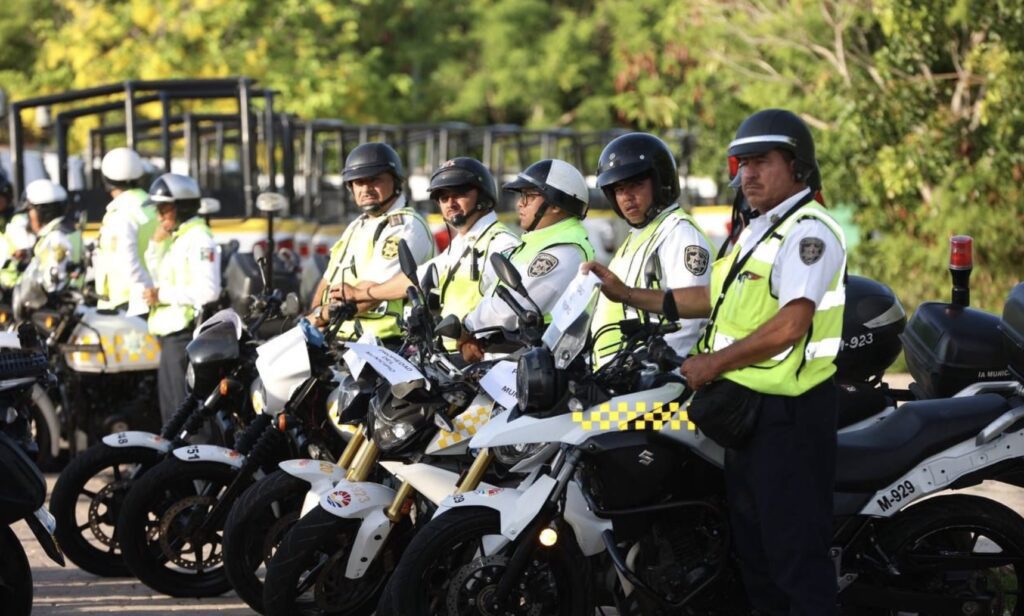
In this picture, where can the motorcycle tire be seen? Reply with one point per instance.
(945, 525)
(316, 538)
(15, 575)
(98, 478)
(154, 526)
(420, 585)
(258, 521)
(45, 459)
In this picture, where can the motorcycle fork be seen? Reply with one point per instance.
(471, 480)
(364, 461)
(353, 447)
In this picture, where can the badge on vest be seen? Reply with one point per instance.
(542, 264)
(811, 249)
(696, 260)
(390, 248)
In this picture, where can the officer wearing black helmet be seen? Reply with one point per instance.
(638, 175)
(466, 194)
(367, 253)
(553, 200)
(775, 311)
(185, 263)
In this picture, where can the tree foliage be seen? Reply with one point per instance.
(916, 105)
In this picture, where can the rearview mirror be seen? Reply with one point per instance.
(429, 280)
(271, 202)
(507, 272)
(652, 271)
(449, 327)
(407, 261)
(290, 308)
(208, 206)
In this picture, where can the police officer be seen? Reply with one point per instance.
(57, 253)
(466, 193)
(776, 314)
(127, 227)
(367, 253)
(184, 259)
(638, 175)
(553, 200)
(9, 257)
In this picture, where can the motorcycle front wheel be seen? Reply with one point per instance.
(453, 566)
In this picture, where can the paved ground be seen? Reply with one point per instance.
(72, 591)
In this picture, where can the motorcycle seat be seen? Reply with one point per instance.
(870, 459)
(859, 401)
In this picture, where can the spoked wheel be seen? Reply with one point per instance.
(256, 525)
(87, 500)
(159, 528)
(307, 574)
(454, 564)
(965, 548)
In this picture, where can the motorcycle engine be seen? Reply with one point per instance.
(682, 551)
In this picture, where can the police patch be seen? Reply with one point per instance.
(542, 264)
(811, 249)
(207, 254)
(696, 260)
(390, 248)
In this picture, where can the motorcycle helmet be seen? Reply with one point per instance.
(47, 198)
(637, 155)
(370, 159)
(121, 169)
(562, 185)
(777, 129)
(179, 190)
(873, 319)
(465, 171)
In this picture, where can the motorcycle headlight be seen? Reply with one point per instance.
(190, 377)
(510, 455)
(395, 423)
(538, 385)
(259, 397)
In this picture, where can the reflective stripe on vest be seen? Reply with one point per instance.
(169, 318)
(377, 322)
(569, 231)
(749, 303)
(630, 269)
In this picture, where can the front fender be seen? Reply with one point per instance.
(137, 438)
(363, 501)
(517, 508)
(49, 413)
(434, 483)
(321, 477)
(210, 453)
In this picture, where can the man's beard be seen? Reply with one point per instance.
(459, 220)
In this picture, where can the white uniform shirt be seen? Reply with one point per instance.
(383, 261)
(685, 262)
(197, 251)
(792, 277)
(545, 289)
(124, 227)
(457, 249)
(53, 257)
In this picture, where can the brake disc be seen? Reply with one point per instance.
(105, 497)
(474, 585)
(176, 556)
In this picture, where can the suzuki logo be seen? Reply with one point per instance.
(646, 457)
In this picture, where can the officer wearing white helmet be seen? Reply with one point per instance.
(553, 200)
(127, 227)
(186, 268)
(58, 250)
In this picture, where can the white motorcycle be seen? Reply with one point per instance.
(626, 505)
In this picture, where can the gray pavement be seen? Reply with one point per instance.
(73, 591)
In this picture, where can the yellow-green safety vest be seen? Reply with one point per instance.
(169, 318)
(569, 231)
(113, 282)
(379, 322)
(628, 263)
(749, 303)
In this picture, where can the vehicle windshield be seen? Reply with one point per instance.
(567, 334)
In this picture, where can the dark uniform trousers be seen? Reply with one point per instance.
(780, 490)
(170, 378)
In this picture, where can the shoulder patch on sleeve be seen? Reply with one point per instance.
(207, 253)
(696, 259)
(390, 248)
(811, 250)
(542, 264)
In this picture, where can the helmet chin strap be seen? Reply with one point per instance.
(541, 211)
(384, 205)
